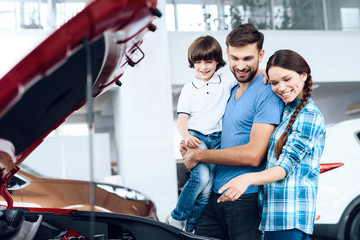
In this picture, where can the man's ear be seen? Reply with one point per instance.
(261, 55)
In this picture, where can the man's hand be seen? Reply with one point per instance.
(183, 149)
(189, 155)
(266, 80)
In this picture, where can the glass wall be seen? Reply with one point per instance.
(201, 15)
(37, 14)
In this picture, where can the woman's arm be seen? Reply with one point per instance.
(237, 186)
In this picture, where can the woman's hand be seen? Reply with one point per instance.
(234, 188)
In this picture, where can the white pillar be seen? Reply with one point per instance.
(144, 123)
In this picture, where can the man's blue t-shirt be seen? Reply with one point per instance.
(258, 104)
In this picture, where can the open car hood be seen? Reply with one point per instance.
(44, 88)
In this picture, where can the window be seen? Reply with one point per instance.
(7, 15)
(34, 14)
(350, 19)
(201, 15)
(192, 17)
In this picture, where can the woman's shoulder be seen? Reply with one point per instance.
(311, 107)
(311, 114)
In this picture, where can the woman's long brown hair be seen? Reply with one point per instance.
(291, 60)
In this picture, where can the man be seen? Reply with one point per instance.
(251, 114)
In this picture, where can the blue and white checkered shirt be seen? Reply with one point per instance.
(290, 203)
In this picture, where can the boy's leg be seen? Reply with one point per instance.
(188, 196)
(191, 189)
(212, 142)
(206, 174)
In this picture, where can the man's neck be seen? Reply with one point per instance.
(244, 86)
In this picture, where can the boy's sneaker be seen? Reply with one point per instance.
(173, 222)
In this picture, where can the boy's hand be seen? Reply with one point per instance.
(192, 142)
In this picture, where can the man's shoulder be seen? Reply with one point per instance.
(262, 88)
(311, 108)
(264, 93)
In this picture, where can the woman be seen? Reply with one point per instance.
(292, 172)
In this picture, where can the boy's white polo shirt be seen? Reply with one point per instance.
(205, 102)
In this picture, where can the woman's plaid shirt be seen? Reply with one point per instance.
(291, 202)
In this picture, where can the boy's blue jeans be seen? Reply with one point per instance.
(196, 192)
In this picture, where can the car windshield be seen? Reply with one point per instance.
(28, 169)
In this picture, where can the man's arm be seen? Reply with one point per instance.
(250, 154)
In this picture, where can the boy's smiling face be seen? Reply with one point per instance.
(205, 69)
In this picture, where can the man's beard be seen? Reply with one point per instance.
(248, 79)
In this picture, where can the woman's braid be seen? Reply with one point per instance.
(306, 95)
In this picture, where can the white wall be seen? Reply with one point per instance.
(144, 123)
(68, 157)
(14, 45)
(332, 55)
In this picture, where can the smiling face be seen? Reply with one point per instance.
(244, 61)
(205, 69)
(286, 84)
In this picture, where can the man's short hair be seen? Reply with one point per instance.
(243, 35)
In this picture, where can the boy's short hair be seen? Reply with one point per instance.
(205, 48)
(243, 35)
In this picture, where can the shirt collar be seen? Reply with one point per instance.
(293, 104)
(199, 84)
(290, 107)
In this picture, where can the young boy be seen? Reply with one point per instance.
(200, 109)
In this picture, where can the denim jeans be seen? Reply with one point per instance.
(196, 192)
(293, 234)
(238, 220)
